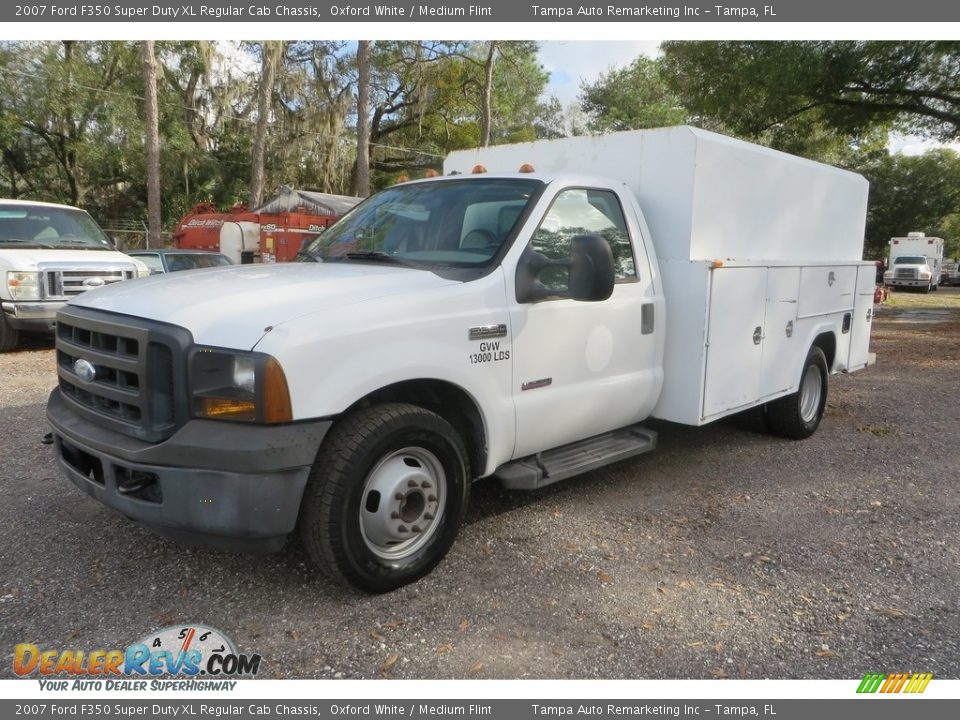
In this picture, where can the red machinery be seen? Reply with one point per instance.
(273, 232)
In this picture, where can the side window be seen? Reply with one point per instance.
(152, 262)
(582, 211)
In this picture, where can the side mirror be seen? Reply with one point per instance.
(591, 268)
(590, 272)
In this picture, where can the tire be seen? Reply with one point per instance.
(926, 290)
(797, 416)
(9, 337)
(386, 497)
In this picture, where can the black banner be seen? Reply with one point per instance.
(537, 11)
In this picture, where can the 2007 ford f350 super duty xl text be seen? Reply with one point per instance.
(516, 325)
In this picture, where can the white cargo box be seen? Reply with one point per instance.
(789, 233)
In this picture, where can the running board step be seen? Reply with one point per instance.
(536, 471)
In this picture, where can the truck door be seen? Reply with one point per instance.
(584, 368)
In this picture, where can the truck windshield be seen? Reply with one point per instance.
(910, 260)
(455, 223)
(38, 226)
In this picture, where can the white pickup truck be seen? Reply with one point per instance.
(516, 325)
(48, 255)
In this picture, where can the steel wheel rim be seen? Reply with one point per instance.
(810, 391)
(401, 505)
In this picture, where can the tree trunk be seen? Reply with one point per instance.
(271, 58)
(153, 145)
(361, 175)
(485, 110)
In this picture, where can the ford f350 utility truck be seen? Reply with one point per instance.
(48, 255)
(915, 262)
(515, 325)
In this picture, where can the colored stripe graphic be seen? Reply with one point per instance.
(894, 682)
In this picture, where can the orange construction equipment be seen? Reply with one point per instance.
(273, 232)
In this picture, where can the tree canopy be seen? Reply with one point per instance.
(836, 102)
(72, 122)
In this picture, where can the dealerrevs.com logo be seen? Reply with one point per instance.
(187, 657)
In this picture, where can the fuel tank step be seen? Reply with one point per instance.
(537, 471)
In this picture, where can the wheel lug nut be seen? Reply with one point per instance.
(402, 528)
(431, 498)
(426, 485)
(411, 483)
(394, 515)
(416, 529)
(398, 496)
(428, 516)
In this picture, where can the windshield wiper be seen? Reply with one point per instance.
(309, 256)
(375, 256)
(30, 244)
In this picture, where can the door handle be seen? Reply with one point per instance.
(647, 317)
(757, 335)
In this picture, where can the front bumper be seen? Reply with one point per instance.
(216, 484)
(33, 316)
(901, 282)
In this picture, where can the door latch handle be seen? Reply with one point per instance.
(757, 335)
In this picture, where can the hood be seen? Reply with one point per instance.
(231, 306)
(32, 259)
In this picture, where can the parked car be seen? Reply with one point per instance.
(165, 261)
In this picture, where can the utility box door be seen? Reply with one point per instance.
(780, 343)
(734, 338)
(862, 319)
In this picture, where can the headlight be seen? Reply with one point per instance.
(142, 269)
(230, 385)
(925, 275)
(24, 285)
(888, 274)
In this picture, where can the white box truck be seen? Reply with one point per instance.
(916, 261)
(504, 324)
(48, 255)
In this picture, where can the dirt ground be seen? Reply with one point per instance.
(726, 553)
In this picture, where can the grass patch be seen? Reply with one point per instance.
(942, 298)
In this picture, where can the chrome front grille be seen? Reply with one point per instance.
(63, 284)
(906, 273)
(124, 373)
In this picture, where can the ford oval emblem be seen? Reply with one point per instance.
(94, 282)
(85, 370)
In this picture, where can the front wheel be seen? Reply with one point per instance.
(8, 335)
(797, 416)
(386, 497)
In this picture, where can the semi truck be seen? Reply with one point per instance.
(915, 261)
(513, 325)
(50, 254)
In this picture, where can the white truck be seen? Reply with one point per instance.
(515, 325)
(950, 273)
(916, 261)
(48, 255)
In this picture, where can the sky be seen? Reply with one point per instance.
(571, 61)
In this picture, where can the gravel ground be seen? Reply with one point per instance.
(727, 553)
